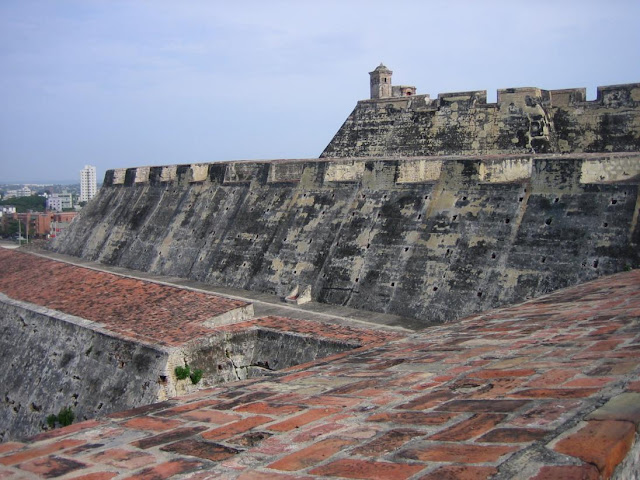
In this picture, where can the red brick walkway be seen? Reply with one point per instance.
(144, 311)
(546, 390)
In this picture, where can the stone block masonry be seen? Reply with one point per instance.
(427, 238)
(52, 361)
(523, 120)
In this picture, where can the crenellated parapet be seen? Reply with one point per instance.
(593, 169)
(522, 120)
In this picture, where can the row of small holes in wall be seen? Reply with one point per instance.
(384, 197)
(393, 284)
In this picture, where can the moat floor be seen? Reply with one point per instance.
(546, 389)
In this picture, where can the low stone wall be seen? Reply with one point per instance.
(52, 361)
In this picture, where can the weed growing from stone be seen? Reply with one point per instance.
(65, 418)
(196, 376)
(51, 421)
(182, 372)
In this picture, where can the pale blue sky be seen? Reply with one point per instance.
(141, 82)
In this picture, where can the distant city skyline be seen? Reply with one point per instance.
(124, 84)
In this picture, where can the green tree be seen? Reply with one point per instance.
(25, 204)
(9, 227)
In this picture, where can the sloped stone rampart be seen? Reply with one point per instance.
(468, 234)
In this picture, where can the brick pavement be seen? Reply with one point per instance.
(141, 310)
(549, 389)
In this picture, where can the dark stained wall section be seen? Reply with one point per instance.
(432, 240)
(523, 120)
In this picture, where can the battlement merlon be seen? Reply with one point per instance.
(595, 168)
(611, 95)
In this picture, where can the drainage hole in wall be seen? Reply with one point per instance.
(479, 294)
(543, 259)
(548, 221)
(506, 220)
(493, 255)
(613, 201)
(595, 264)
(393, 284)
(556, 200)
(435, 289)
(605, 224)
(520, 199)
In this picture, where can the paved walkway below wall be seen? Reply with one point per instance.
(548, 389)
(264, 304)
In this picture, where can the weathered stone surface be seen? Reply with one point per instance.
(52, 362)
(432, 239)
(625, 407)
(523, 120)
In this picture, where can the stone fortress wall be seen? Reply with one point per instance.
(53, 360)
(396, 122)
(432, 239)
(427, 209)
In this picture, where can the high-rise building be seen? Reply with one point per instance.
(88, 187)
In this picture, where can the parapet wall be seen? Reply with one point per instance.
(52, 361)
(431, 239)
(523, 120)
